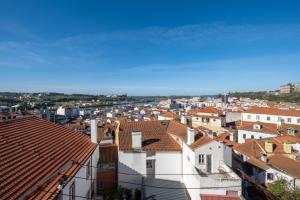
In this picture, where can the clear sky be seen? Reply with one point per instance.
(148, 47)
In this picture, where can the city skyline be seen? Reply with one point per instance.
(148, 48)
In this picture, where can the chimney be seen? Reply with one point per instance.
(269, 146)
(190, 136)
(94, 131)
(136, 140)
(210, 134)
(287, 147)
(183, 120)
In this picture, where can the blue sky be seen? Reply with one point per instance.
(148, 47)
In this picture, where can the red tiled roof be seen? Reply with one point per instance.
(170, 115)
(31, 150)
(265, 127)
(201, 141)
(108, 153)
(274, 111)
(218, 197)
(209, 110)
(285, 164)
(155, 136)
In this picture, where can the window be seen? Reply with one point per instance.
(149, 163)
(279, 119)
(244, 136)
(72, 191)
(260, 137)
(88, 195)
(270, 176)
(201, 159)
(268, 118)
(289, 120)
(252, 136)
(257, 117)
(291, 131)
(298, 121)
(88, 170)
(248, 116)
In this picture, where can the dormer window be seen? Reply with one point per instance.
(291, 131)
(257, 126)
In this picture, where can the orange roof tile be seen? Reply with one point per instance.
(201, 141)
(32, 149)
(218, 197)
(155, 136)
(285, 164)
(273, 111)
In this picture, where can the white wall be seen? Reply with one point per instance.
(168, 163)
(216, 150)
(131, 163)
(135, 163)
(190, 181)
(83, 184)
(273, 118)
(257, 135)
(60, 111)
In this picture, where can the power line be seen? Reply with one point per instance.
(136, 174)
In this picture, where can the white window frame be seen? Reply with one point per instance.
(72, 191)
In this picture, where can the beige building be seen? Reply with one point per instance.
(286, 89)
(208, 117)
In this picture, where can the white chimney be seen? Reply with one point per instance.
(183, 120)
(190, 135)
(136, 140)
(94, 131)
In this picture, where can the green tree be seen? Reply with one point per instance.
(284, 190)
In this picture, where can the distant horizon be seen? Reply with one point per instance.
(185, 48)
(119, 94)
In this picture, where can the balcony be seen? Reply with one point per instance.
(225, 179)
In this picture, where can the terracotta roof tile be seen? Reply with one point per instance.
(285, 164)
(32, 149)
(273, 111)
(201, 141)
(218, 197)
(155, 136)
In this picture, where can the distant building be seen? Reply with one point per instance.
(286, 89)
(297, 87)
(208, 116)
(225, 98)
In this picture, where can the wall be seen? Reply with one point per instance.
(197, 121)
(190, 181)
(168, 163)
(215, 149)
(131, 163)
(82, 185)
(256, 135)
(273, 118)
(135, 163)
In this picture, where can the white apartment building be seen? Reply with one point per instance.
(271, 115)
(167, 150)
